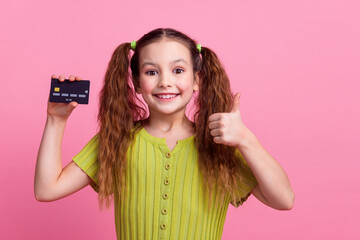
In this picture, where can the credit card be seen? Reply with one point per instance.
(67, 91)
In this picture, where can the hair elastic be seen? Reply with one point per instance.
(199, 47)
(133, 45)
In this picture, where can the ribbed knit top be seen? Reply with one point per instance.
(164, 196)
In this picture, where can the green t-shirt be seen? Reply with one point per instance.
(164, 197)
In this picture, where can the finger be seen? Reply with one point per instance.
(72, 78)
(215, 124)
(236, 103)
(218, 140)
(61, 78)
(71, 106)
(74, 104)
(216, 132)
(215, 117)
(78, 78)
(53, 76)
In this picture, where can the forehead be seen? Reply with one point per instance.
(164, 51)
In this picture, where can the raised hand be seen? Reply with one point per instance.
(228, 128)
(62, 111)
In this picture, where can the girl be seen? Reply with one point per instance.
(169, 177)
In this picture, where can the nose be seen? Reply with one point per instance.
(165, 80)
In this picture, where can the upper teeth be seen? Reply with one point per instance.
(166, 96)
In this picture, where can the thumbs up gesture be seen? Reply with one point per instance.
(228, 128)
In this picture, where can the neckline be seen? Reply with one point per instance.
(162, 141)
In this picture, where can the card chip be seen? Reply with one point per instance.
(57, 89)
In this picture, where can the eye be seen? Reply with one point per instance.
(151, 73)
(178, 70)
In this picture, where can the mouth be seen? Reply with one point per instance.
(167, 95)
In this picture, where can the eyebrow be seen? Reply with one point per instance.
(154, 64)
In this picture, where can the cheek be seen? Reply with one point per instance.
(145, 87)
(185, 86)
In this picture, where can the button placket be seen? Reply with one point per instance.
(165, 193)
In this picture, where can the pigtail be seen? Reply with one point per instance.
(218, 162)
(117, 112)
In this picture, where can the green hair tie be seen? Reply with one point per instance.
(199, 47)
(133, 45)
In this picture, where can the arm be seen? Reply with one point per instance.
(273, 189)
(51, 181)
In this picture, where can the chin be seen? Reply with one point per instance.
(169, 111)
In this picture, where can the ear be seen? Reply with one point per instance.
(196, 82)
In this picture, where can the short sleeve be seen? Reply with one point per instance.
(247, 183)
(87, 160)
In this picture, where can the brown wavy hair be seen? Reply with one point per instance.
(120, 110)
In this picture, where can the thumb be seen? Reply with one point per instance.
(236, 103)
(71, 106)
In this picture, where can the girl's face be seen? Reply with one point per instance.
(166, 77)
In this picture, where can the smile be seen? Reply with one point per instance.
(166, 96)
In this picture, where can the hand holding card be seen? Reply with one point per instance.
(60, 107)
(68, 91)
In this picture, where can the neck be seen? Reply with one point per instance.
(168, 123)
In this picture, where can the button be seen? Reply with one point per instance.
(165, 196)
(166, 181)
(168, 154)
(164, 211)
(167, 166)
(163, 226)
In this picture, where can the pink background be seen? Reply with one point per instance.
(296, 64)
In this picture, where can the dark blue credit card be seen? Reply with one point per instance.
(67, 91)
